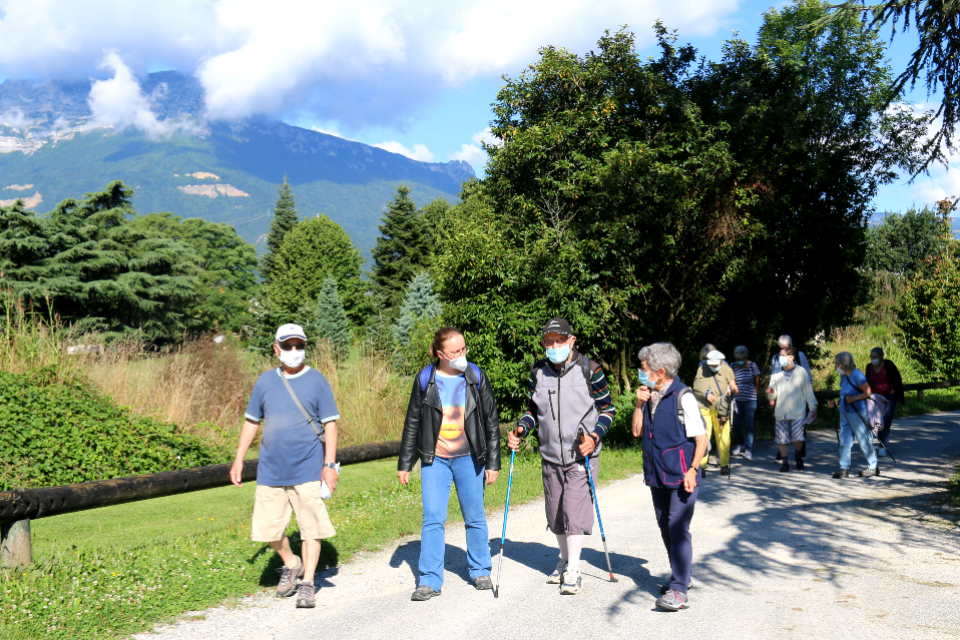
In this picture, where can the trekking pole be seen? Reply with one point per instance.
(596, 506)
(503, 536)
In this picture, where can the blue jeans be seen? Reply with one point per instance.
(884, 435)
(852, 425)
(674, 511)
(435, 481)
(743, 422)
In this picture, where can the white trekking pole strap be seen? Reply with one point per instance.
(296, 400)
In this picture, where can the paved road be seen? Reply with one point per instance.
(796, 555)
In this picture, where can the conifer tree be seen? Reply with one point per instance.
(419, 304)
(330, 320)
(402, 249)
(284, 219)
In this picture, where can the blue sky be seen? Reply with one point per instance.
(416, 78)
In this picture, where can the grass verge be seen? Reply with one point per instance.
(118, 570)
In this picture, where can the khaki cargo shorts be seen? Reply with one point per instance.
(272, 507)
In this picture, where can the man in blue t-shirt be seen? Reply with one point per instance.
(296, 471)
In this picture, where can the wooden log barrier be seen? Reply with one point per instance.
(19, 506)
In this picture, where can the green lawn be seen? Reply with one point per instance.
(117, 570)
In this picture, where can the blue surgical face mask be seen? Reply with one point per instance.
(783, 361)
(645, 379)
(559, 355)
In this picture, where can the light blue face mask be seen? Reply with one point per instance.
(645, 379)
(559, 355)
(783, 361)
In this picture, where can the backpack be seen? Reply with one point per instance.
(425, 375)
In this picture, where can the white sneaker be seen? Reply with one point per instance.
(571, 583)
(557, 576)
(747, 454)
(737, 451)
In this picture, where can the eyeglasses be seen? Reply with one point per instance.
(299, 346)
(457, 353)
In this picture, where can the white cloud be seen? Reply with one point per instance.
(15, 118)
(419, 152)
(120, 103)
(359, 63)
(474, 154)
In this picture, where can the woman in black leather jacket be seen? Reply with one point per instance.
(453, 427)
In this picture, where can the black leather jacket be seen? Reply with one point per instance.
(421, 428)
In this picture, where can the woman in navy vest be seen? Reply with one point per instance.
(667, 417)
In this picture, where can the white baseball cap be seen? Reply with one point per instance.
(715, 357)
(288, 331)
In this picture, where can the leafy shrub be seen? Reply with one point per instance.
(54, 433)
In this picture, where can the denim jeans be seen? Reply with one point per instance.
(852, 425)
(435, 479)
(674, 511)
(884, 435)
(743, 422)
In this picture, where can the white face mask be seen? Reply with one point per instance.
(460, 364)
(715, 368)
(841, 372)
(293, 358)
(876, 362)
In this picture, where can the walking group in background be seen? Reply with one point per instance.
(452, 431)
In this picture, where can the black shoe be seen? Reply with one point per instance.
(779, 457)
(841, 473)
(725, 471)
(870, 472)
(482, 583)
(785, 466)
(803, 448)
(703, 472)
(799, 460)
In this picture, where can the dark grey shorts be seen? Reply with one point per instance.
(567, 498)
(788, 431)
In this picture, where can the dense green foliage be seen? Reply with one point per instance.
(330, 320)
(902, 242)
(929, 314)
(660, 200)
(403, 249)
(283, 220)
(89, 265)
(416, 324)
(311, 251)
(226, 269)
(63, 433)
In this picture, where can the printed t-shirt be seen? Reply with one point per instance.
(880, 382)
(851, 386)
(290, 452)
(452, 442)
(745, 381)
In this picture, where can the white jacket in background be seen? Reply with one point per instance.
(793, 395)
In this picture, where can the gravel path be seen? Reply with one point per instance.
(795, 555)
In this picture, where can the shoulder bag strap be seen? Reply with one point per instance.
(303, 410)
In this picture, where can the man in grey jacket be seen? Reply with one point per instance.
(568, 397)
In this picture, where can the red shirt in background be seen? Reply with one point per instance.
(879, 382)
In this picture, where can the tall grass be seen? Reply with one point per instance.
(859, 340)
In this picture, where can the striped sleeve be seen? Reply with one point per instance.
(602, 399)
(527, 420)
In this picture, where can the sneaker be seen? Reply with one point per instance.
(881, 452)
(841, 473)
(306, 596)
(672, 601)
(785, 466)
(571, 583)
(747, 454)
(778, 458)
(869, 472)
(423, 592)
(557, 576)
(482, 583)
(725, 471)
(289, 579)
(737, 451)
(665, 588)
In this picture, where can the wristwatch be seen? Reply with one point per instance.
(330, 465)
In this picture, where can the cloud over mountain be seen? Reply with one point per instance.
(364, 63)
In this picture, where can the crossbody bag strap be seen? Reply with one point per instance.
(320, 434)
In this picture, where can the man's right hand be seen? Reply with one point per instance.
(236, 473)
(513, 438)
(403, 477)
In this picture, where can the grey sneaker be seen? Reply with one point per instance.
(737, 451)
(557, 576)
(572, 583)
(306, 596)
(841, 473)
(870, 472)
(747, 454)
(664, 589)
(672, 601)
(289, 579)
(482, 583)
(424, 592)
